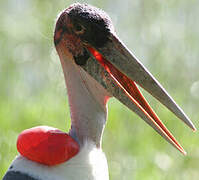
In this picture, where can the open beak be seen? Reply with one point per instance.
(118, 71)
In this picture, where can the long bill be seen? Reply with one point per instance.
(122, 59)
(118, 71)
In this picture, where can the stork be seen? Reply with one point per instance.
(96, 66)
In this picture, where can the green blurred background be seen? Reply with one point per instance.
(164, 35)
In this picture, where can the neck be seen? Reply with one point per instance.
(88, 115)
(87, 100)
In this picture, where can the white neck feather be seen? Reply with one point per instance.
(89, 164)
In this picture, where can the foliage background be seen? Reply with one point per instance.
(164, 35)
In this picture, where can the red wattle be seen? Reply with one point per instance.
(46, 145)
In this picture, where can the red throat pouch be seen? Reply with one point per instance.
(46, 145)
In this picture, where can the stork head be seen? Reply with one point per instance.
(84, 36)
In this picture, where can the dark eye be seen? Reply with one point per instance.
(79, 29)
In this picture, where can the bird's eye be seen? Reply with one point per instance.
(79, 29)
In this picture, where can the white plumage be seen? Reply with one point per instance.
(89, 164)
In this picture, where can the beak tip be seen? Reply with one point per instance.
(184, 152)
(188, 122)
(191, 125)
